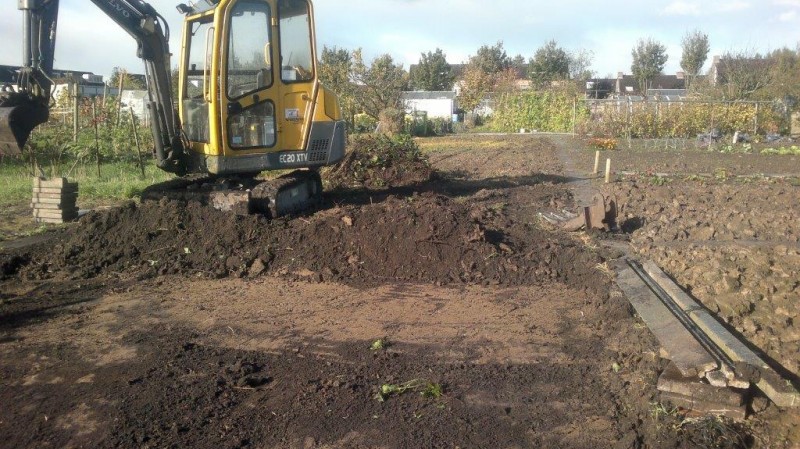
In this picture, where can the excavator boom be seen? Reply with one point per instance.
(249, 98)
(26, 105)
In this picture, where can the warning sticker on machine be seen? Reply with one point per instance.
(292, 114)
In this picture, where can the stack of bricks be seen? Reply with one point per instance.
(54, 200)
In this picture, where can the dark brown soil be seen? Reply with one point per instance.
(169, 325)
(425, 238)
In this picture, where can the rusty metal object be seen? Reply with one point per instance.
(602, 215)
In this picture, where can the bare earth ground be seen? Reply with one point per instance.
(732, 242)
(168, 326)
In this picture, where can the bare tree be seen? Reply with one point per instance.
(743, 75)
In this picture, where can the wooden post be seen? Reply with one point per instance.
(96, 135)
(136, 137)
(75, 110)
(574, 116)
(119, 96)
(608, 171)
(596, 162)
(755, 127)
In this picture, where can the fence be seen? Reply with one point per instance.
(89, 130)
(679, 118)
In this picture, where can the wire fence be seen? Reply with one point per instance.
(679, 119)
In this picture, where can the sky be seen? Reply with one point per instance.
(89, 41)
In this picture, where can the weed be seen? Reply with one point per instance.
(432, 390)
(660, 411)
(715, 432)
(428, 389)
(792, 150)
(657, 180)
(380, 344)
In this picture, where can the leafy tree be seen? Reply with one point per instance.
(492, 59)
(379, 85)
(518, 61)
(649, 59)
(475, 85)
(550, 63)
(433, 73)
(335, 72)
(695, 53)
(785, 76)
(130, 83)
(579, 65)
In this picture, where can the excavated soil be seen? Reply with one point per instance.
(424, 238)
(172, 325)
(733, 243)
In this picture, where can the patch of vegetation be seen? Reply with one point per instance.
(425, 388)
(793, 150)
(602, 144)
(379, 160)
(380, 344)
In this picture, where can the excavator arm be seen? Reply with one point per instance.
(26, 105)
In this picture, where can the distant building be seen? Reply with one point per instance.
(434, 104)
(137, 101)
(661, 87)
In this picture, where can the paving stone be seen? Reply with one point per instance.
(671, 380)
(690, 358)
(705, 407)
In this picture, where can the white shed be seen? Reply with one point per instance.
(435, 104)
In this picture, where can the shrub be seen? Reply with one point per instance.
(602, 144)
(379, 160)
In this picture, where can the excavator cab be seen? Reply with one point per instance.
(249, 96)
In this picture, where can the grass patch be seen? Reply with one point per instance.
(117, 181)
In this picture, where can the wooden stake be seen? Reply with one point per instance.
(608, 171)
(136, 136)
(596, 162)
(122, 74)
(96, 135)
(75, 114)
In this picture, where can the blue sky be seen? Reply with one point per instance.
(404, 28)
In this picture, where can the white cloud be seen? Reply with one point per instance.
(733, 6)
(789, 16)
(795, 3)
(681, 8)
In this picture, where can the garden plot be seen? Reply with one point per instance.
(436, 314)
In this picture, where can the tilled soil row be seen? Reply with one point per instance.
(735, 246)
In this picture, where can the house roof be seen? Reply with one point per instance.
(423, 95)
(629, 84)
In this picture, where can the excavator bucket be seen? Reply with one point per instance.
(16, 124)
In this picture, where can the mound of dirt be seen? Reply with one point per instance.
(380, 161)
(422, 238)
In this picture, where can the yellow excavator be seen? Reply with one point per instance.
(249, 98)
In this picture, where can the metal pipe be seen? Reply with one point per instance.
(27, 17)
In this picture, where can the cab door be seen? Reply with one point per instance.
(249, 91)
(297, 72)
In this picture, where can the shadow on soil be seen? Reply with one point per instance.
(45, 302)
(452, 184)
